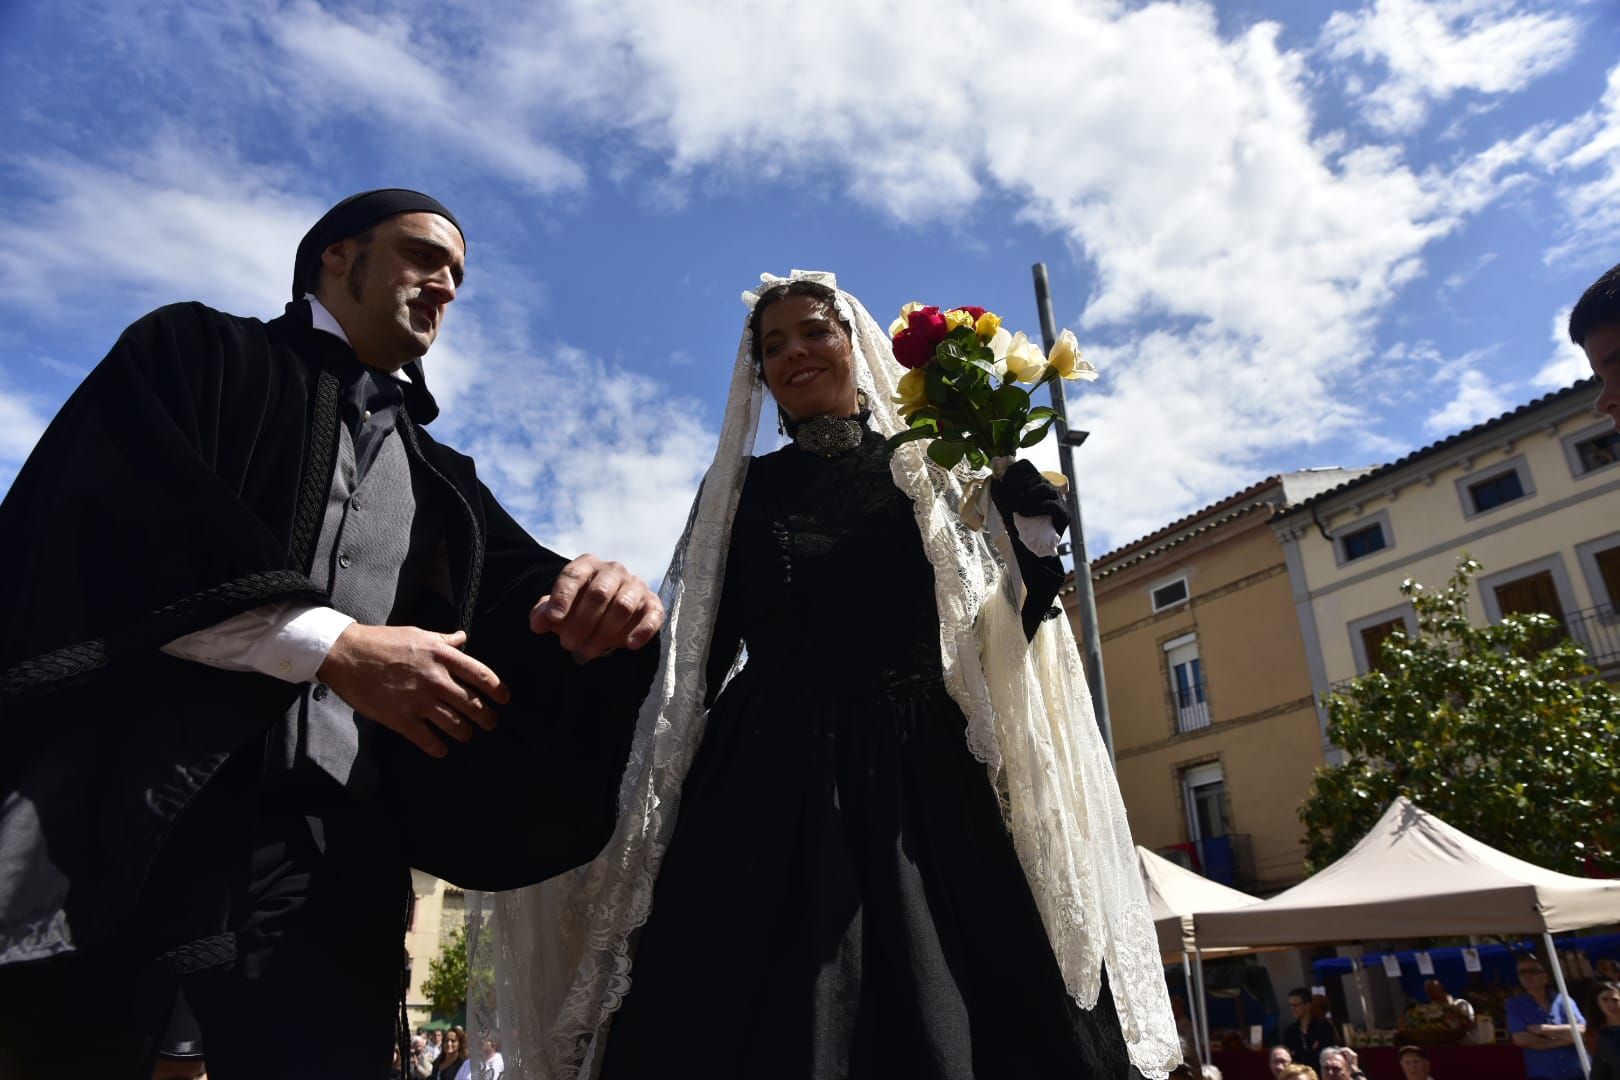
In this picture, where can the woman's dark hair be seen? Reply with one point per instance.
(781, 292)
(1598, 306)
(1594, 1013)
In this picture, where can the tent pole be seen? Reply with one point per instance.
(1361, 992)
(1569, 1002)
(1203, 1006)
(1192, 1003)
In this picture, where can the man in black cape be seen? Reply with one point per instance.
(242, 581)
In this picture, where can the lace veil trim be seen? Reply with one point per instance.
(551, 963)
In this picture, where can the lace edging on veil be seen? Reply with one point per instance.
(551, 963)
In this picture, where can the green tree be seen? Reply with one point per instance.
(446, 982)
(1498, 730)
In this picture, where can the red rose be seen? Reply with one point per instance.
(912, 349)
(928, 324)
(973, 311)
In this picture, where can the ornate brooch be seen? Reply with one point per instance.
(830, 436)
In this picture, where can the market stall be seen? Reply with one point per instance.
(1174, 894)
(1414, 876)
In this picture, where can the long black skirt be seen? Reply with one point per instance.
(842, 900)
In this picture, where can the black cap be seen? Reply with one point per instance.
(353, 216)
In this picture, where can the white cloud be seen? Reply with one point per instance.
(1475, 398)
(170, 224)
(1184, 166)
(1433, 49)
(21, 425)
(584, 456)
(1585, 153)
(1567, 363)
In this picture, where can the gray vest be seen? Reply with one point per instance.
(368, 557)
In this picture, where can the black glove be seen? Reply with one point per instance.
(1023, 490)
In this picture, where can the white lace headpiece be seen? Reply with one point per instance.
(559, 955)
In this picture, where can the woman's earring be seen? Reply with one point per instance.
(861, 398)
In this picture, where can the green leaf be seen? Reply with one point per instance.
(1041, 412)
(1036, 433)
(947, 452)
(1011, 403)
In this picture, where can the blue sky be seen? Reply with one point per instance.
(1289, 234)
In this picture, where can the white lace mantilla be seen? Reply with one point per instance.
(552, 963)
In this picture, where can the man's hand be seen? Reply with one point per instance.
(596, 607)
(412, 681)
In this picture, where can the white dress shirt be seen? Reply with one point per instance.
(286, 640)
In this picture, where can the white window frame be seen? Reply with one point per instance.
(1379, 518)
(1573, 455)
(1188, 718)
(1153, 597)
(1516, 464)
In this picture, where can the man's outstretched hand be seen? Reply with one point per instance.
(596, 607)
(413, 681)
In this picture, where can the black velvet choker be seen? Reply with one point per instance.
(829, 436)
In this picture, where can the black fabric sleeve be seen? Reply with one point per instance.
(157, 502)
(540, 791)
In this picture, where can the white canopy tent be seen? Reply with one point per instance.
(1415, 876)
(1174, 894)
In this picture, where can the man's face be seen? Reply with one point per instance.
(1334, 1067)
(436, 1037)
(1533, 977)
(1602, 347)
(1414, 1067)
(1300, 1008)
(1280, 1059)
(398, 285)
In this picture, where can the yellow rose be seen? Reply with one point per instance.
(1024, 360)
(912, 393)
(956, 319)
(1066, 361)
(987, 325)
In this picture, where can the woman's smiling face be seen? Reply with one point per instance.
(806, 358)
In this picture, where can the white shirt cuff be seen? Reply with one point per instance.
(286, 641)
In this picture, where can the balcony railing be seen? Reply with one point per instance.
(1192, 708)
(1225, 859)
(1597, 630)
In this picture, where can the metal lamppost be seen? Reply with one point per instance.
(1085, 599)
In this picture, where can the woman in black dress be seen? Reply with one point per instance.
(840, 896)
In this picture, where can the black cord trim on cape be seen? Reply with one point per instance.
(475, 560)
(71, 664)
(317, 482)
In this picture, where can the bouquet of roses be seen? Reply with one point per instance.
(965, 392)
(962, 390)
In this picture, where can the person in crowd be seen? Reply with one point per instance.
(314, 612)
(1339, 1063)
(1298, 1072)
(420, 1066)
(1544, 1025)
(1594, 327)
(454, 1063)
(1603, 1035)
(435, 1045)
(1306, 1035)
(1278, 1059)
(1414, 1062)
(494, 1066)
(1439, 995)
